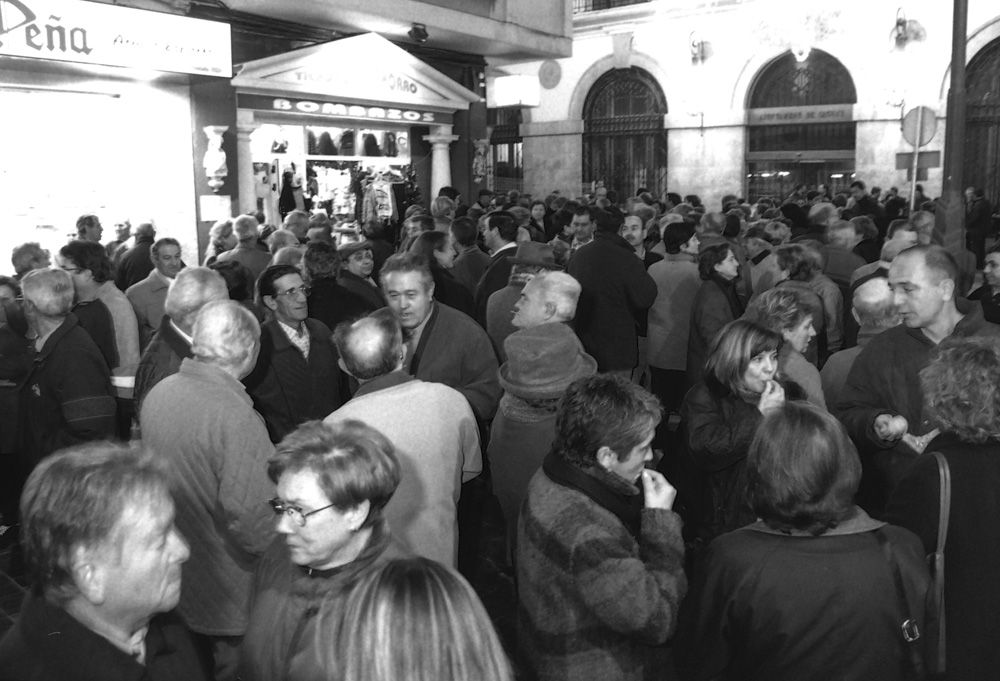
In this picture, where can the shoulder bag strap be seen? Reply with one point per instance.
(909, 629)
(944, 514)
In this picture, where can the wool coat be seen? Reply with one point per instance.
(972, 554)
(677, 283)
(201, 422)
(594, 601)
(616, 292)
(148, 298)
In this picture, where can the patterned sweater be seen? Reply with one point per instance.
(595, 603)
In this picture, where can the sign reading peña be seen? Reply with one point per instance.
(96, 33)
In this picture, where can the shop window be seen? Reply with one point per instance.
(801, 128)
(506, 149)
(982, 122)
(624, 143)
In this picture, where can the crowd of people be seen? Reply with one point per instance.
(719, 440)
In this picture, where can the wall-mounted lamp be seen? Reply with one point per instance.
(418, 33)
(900, 33)
(699, 48)
(214, 161)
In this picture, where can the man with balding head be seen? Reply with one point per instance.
(247, 251)
(137, 262)
(873, 309)
(67, 397)
(201, 422)
(431, 426)
(191, 290)
(297, 222)
(882, 402)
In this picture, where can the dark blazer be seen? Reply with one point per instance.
(616, 294)
(331, 303)
(287, 389)
(135, 263)
(449, 291)
(496, 276)
(46, 643)
(713, 308)
(372, 295)
(161, 358)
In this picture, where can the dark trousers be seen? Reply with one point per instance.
(976, 242)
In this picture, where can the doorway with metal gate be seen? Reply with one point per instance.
(624, 141)
(800, 126)
(982, 123)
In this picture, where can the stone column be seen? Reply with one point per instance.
(244, 161)
(440, 139)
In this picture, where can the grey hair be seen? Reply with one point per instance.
(225, 334)
(190, 290)
(560, 289)
(245, 227)
(49, 291)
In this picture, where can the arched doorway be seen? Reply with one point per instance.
(624, 142)
(982, 122)
(800, 126)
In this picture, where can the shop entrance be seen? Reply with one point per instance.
(800, 126)
(982, 123)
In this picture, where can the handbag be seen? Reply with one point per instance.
(935, 656)
(913, 658)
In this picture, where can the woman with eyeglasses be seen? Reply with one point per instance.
(332, 483)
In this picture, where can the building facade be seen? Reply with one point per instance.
(754, 97)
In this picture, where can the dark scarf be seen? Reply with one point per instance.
(610, 493)
(729, 288)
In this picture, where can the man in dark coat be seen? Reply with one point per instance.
(296, 378)
(104, 560)
(136, 262)
(882, 403)
(67, 398)
(978, 223)
(617, 292)
(499, 235)
(192, 289)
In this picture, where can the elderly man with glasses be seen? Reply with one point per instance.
(201, 422)
(296, 378)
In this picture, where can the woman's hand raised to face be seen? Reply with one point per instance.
(658, 492)
(772, 397)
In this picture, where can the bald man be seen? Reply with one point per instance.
(431, 426)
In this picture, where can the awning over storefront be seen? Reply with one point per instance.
(365, 70)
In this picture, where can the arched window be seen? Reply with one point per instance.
(801, 128)
(624, 142)
(982, 122)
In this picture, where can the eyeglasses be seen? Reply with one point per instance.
(294, 512)
(304, 290)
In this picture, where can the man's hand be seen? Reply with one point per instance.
(659, 493)
(890, 428)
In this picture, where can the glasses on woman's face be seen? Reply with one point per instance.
(298, 516)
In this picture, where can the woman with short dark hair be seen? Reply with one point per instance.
(961, 388)
(809, 591)
(715, 305)
(719, 416)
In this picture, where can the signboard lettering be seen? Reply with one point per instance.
(336, 109)
(794, 115)
(95, 33)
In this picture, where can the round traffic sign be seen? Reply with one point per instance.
(927, 121)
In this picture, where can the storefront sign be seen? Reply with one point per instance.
(96, 33)
(339, 109)
(797, 115)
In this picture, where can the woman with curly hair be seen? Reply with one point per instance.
(961, 388)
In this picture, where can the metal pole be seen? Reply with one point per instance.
(949, 226)
(917, 143)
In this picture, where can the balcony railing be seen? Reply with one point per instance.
(595, 5)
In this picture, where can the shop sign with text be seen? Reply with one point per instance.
(96, 33)
(796, 115)
(340, 109)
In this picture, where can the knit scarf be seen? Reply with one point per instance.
(606, 490)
